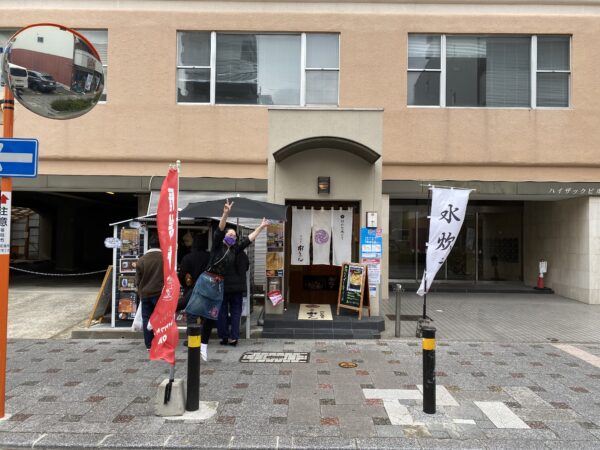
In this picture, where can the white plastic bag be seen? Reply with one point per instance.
(137, 321)
(245, 306)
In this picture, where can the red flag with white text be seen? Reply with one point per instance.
(166, 334)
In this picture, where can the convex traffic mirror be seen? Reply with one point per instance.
(53, 71)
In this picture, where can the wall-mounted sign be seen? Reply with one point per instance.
(371, 243)
(5, 205)
(371, 219)
(112, 242)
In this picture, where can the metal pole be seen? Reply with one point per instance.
(169, 385)
(398, 307)
(6, 194)
(192, 402)
(428, 369)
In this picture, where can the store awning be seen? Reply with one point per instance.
(187, 197)
(347, 145)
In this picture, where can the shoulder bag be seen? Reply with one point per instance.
(207, 295)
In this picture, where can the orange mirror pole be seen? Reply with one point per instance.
(5, 203)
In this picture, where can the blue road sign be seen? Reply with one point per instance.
(18, 158)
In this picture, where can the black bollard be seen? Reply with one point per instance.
(428, 369)
(192, 402)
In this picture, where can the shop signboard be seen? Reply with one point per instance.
(371, 251)
(275, 262)
(354, 291)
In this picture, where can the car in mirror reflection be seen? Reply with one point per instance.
(40, 81)
(17, 77)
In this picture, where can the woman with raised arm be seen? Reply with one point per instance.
(222, 264)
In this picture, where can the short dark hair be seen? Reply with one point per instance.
(153, 241)
(200, 241)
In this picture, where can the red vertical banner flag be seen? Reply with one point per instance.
(166, 334)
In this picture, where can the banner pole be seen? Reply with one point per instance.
(425, 293)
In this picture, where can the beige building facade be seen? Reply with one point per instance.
(382, 97)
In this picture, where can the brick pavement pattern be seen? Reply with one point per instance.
(100, 393)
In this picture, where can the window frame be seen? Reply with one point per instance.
(533, 70)
(303, 69)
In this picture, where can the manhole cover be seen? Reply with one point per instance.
(275, 357)
(347, 365)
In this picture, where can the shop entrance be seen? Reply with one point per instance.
(316, 283)
(488, 249)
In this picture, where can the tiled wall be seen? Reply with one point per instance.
(566, 234)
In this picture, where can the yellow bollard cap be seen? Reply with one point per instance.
(193, 341)
(428, 344)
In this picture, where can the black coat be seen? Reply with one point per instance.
(193, 263)
(232, 264)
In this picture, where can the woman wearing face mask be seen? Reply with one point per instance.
(223, 256)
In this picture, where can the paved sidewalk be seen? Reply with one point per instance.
(100, 393)
(47, 309)
(497, 317)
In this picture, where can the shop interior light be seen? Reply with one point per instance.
(323, 185)
(110, 193)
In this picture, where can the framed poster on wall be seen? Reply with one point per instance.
(127, 265)
(127, 283)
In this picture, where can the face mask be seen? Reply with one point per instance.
(229, 240)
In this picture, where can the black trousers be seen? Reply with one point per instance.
(207, 326)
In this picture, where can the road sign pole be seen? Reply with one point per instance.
(6, 189)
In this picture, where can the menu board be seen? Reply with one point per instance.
(275, 258)
(354, 291)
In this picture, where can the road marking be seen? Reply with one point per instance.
(443, 397)
(393, 394)
(275, 357)
(464, 421)
(578, 353)
(500, 415)
(398, 413)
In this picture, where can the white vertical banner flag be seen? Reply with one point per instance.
(301, 223)
(321, 236)
(448, 207)
(341, 235)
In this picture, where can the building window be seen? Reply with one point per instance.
(553, 71)
(488, 71)
(257, 69)
(99, 39)
(322, 69)
(193, 67)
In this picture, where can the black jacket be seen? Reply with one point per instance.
(232, 264)
(193, 263)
